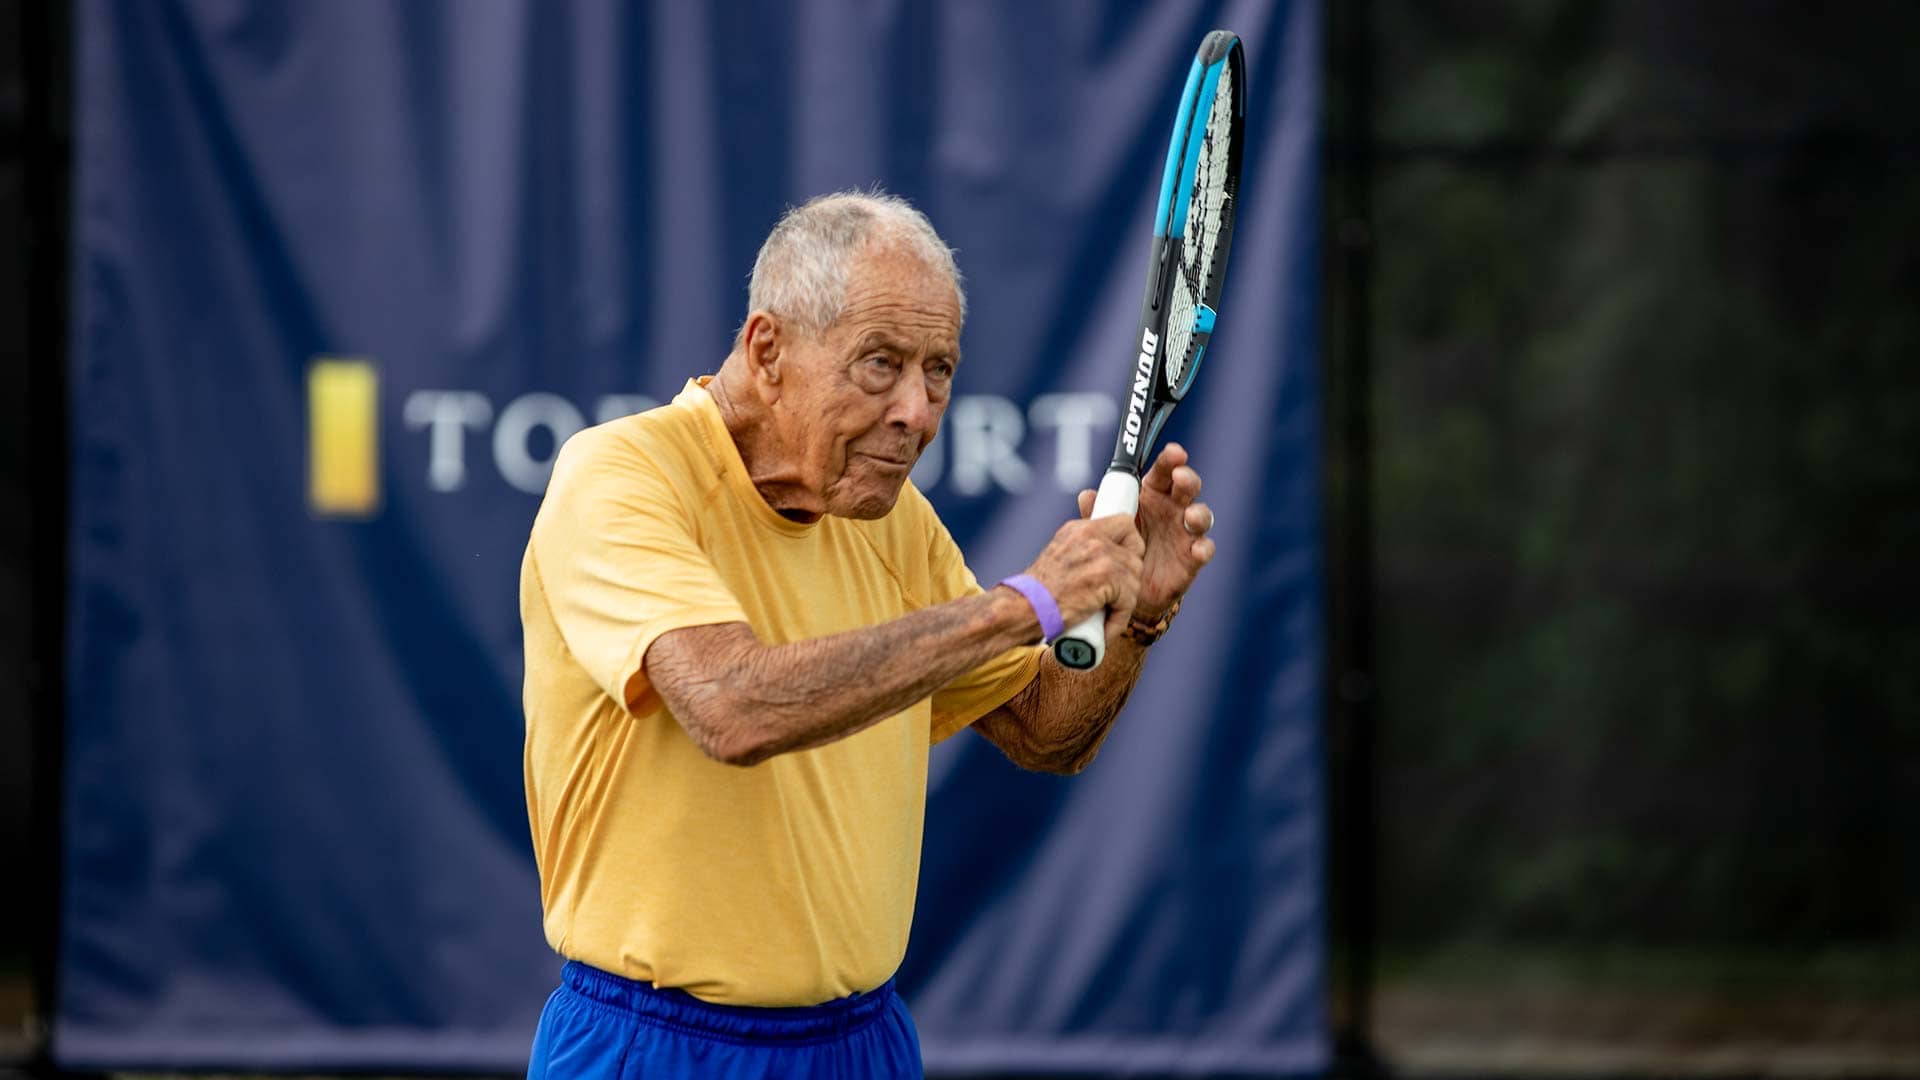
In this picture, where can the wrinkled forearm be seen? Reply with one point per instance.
(1059, 721)
(744, 701)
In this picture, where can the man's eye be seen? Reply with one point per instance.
(940, 370)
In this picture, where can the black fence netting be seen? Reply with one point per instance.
(1633, 292)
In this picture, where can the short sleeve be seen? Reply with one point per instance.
(616, 554)
(992, 684)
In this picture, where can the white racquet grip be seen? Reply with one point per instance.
(1085, 643)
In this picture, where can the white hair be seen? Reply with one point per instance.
(801, 271)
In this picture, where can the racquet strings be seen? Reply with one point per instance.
(1207, 208)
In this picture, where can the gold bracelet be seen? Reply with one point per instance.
(1145, 634)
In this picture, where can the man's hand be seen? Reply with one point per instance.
(1175, 525)
(1093, 566)
(1057, 723)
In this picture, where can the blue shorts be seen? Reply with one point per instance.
(599, 1026)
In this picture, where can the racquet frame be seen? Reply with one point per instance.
(1150, 398)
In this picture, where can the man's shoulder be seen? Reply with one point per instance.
(647, 463)
(665, 438)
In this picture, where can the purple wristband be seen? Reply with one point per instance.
(1051, 625)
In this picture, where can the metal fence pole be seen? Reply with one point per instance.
(46, 56)
(1352, 697)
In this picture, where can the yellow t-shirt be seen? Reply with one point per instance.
(788, 883)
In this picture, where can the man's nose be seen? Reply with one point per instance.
(912, 408)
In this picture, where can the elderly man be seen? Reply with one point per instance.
(744, 629)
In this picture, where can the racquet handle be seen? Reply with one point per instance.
(1083, 644)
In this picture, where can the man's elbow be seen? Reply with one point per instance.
(740, 753)
(717, 732)
(1076, 763)
(698, 673)
(1062, 760)
(1036, 747)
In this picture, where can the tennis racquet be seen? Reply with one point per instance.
(1192, 227)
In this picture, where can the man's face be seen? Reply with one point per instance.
(865, 396)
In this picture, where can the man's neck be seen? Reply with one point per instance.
(750, 426)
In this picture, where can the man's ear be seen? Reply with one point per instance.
(763, 341)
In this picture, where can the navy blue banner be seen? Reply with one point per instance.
(345, 277)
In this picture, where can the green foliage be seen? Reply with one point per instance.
(1647, 476)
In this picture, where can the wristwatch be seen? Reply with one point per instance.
(1144, 634)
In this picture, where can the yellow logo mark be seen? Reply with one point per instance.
(343, 437)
